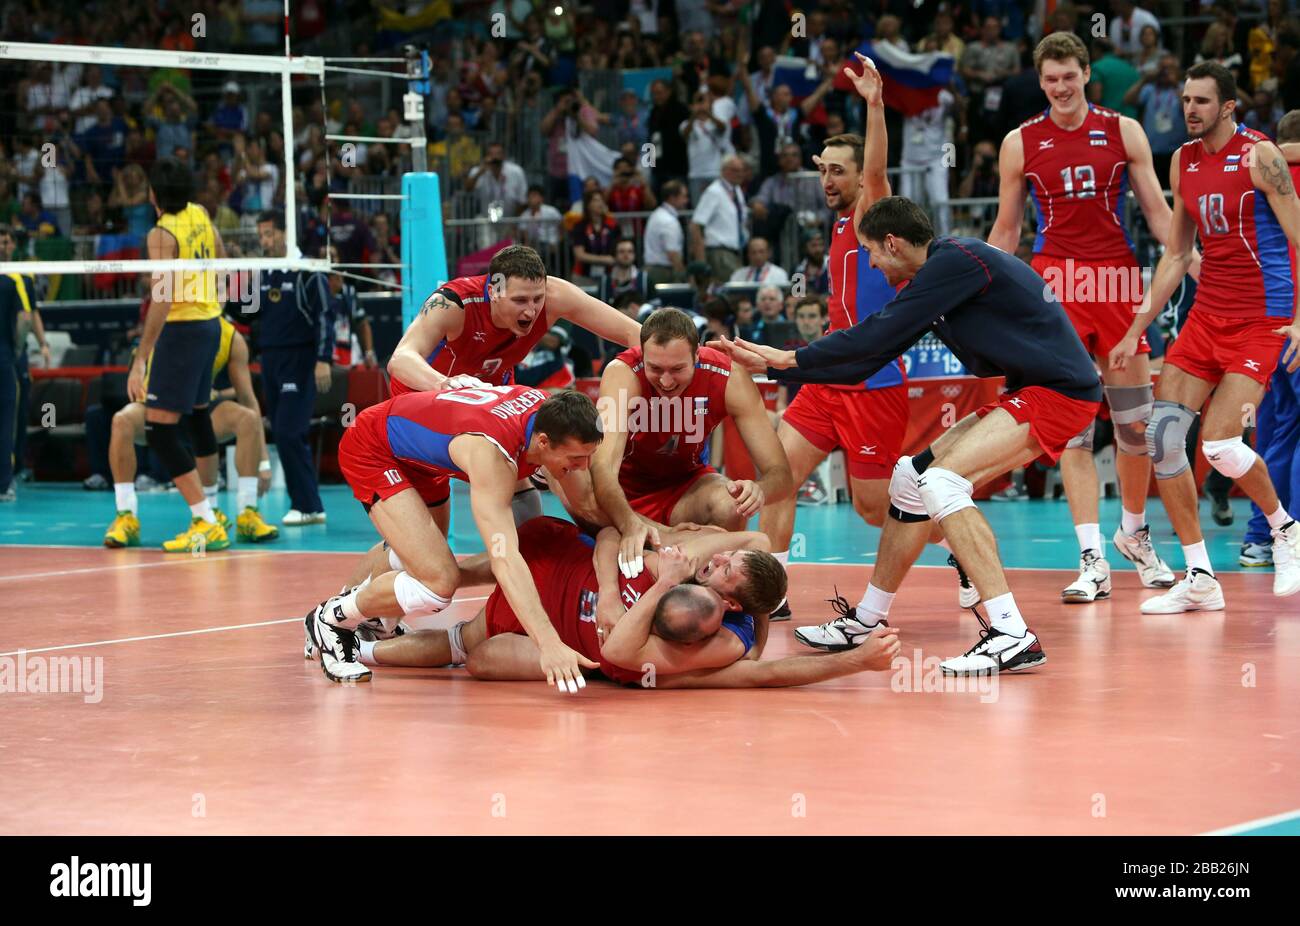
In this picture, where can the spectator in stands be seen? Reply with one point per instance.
(1288, 58)
(555, 126)
(36, 220)
(720, 223)
(105, 141)
(131, 195)
(925, 176)
(174, 129)
(1265, 114)
(1262, 42)
(1112, 76)
(459, 149)
(985, 66)
(230, 117)
(942, 38)
(745, 322)
(1159, 96)
(534, 53)
(94, 219)
(695, 64)
(349, 233)
(772, 327)
(213, 198)
(707, 142)
(8, 202)
(718, 315)
(354, 342)
(810, 317)
(256, 179)
(666, 118)
(1126, 22)
(761, 80)
(498, 183)
(777, 123)
(262, 22)
(82, 104)
(813, 268)
(388, 248)
(783, 194)
(624, 276)
(593, 238)
(628, 190)
(759, 269)
(664, 257)
(981, 181)
(1150, 51)
(1217, 47)
(632, 121)
(540, 223)
(703, 285)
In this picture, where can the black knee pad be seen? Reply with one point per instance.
(165, 441)
(202, 437)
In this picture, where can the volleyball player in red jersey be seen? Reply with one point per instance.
(1231, 188)
(659, 403)
(397, 456)
(470, 333)
(677, 624)
(1078, 161)
(867, 420)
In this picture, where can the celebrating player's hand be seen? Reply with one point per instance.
(878, 652)
(755, 358)
(324, 376)
(1291, 353)
(868, 83)
(748, 495)
(1122, 352)
(135, 381)
(631, 551)
(675, 566)
(563, 666)
(463, 381)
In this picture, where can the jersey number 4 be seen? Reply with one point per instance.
(1213, 221)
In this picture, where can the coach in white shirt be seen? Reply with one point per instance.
(720, 222)
(664, 256)
(760, 270)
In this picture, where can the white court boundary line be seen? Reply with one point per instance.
(1240, 828)
(179, 561)
(180, 633)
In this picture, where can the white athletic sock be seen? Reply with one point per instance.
(350, 608)
(1131, 523)
(1196, 557)
(1005, 616)
(126, 500)
(458, 654)
(1089, 538)
(246, 496)
(1278, 518)
(204, 510)
(210, 493)
(783, 558)
(874, 606)
(366, 655)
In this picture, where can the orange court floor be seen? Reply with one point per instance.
(206, 719)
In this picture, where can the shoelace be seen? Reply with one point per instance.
(986, 634)
(842, 606)
(962, 578)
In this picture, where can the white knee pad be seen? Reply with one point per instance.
(416, 599)
(945, 493)
(394, 562)
(1230, 457)
(905, 499)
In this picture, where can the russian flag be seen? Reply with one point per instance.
(114, 247)
(911, 81)
(799, 74)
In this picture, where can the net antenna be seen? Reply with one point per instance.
(286, 67)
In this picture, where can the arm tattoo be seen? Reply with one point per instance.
(1278, 176)
(436, 301)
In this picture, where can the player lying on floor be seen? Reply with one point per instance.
(696, 615)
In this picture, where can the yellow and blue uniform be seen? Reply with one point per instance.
(17, 295)
(180, 367)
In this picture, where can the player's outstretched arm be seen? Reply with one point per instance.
(439, 318)
(875, 155)
(631, 645)
(564, 300)
(875, 655)
(491, 486)
(604, 558)
(775, 481)
(619, 387)
(1172, 267)
(1011, 194)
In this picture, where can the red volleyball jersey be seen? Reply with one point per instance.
(1245, 257)
(669, 438)
(857, 290)
(481, 349)
(420, 426)
(1078, 179)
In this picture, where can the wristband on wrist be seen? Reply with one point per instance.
(264, 466)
